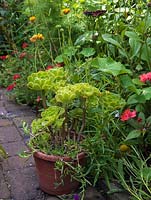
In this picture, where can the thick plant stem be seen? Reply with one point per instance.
(83, 118)
(43, 99)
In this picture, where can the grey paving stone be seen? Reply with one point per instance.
(92, 193)
(9, 134)
(24, 184)
(4, 191)
(16, 162)
(5, 122)
(120, 194)
(19, 120)
(51, 198)
(14, 148)
(3, 111)
(1, 103)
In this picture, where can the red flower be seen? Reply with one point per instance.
(4, 57)
(49, 67)
(11, 87)
(24, 45)
(127, 114)
(145, 77)
(16, 76)
(22, 55)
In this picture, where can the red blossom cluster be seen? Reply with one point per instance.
(24, 45)
(145, 77)
(22, 55)
(16, 76)
(128, 114)
(56, 65)
(49, 67)
(11, 86)
(4, 57)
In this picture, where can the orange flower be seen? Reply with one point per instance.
(40, 36)
(32, 18)
(36, 37)
(66, 11)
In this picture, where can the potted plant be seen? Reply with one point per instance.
(57, 135)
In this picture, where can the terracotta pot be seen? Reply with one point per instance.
(50, 179)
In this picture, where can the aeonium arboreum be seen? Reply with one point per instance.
(65, 119)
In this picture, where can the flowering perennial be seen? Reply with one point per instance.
(22, 55)
(32, 18)
(145, 77)
(127, 114)
(49, 67)
(16, 76)
(76, 197)
(11, 87)
(66, 11)
(4, 57)
(24, 45)
(36, 37)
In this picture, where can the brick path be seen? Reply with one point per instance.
(18, 180)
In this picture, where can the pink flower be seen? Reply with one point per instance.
(145, 77)
(22, 55)
(16, 76)
(127, 114)
(49, 67)
(11, 87)
(24, 45)
(38, 99)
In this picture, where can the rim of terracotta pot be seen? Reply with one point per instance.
(54, 158)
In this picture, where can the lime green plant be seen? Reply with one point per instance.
(64, 117)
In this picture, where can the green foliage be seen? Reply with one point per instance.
(95, 61)
(3, 153)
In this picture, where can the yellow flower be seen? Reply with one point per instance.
(40, 36)
(36, 37)
(124, 148)
(32, 18)
(33, 38)
(66, 10)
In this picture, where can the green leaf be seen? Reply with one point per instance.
(146, 173)
(25, 154)
(69, 51)
(87, 52)
(135, 47)
(132, 34)
(147, 93)
(133, 134)
(110, 66)
(86, 37)
(132, 99)
(127, 83)
(108, 38)
(145, 53)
